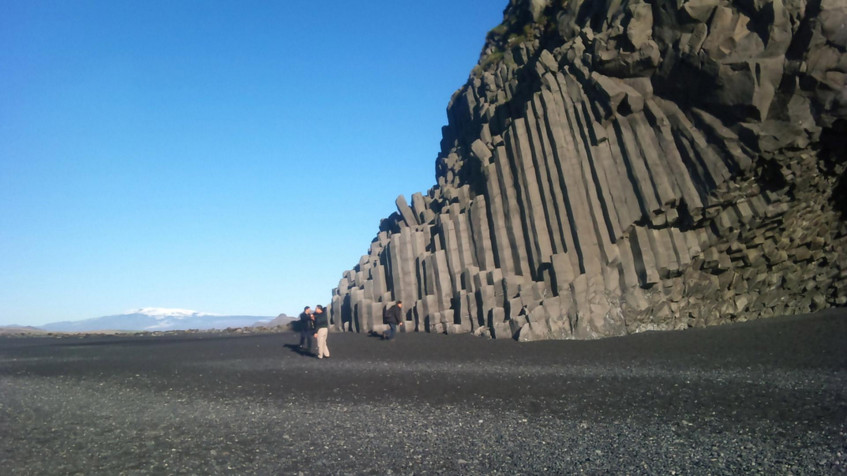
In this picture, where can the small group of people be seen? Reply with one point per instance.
(314, 325)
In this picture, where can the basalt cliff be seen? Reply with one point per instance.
(617, 166)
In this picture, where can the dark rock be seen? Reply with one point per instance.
(628, 166)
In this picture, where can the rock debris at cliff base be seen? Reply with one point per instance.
(616, 167)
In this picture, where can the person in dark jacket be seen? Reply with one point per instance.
(321, 331)
(306, 328)
(394, 318)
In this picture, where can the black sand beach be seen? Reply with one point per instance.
(761, 397)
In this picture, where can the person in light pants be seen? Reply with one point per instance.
(321, 331)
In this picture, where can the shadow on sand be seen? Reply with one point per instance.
(376, 335)
(298, 350)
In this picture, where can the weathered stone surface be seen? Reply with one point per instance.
(699, 10)
(626, 166)
(405, 211)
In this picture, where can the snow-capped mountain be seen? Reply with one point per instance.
(165, 312)
(156, 319)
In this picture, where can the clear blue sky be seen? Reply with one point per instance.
(231, 157)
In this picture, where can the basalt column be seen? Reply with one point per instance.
(615, 167)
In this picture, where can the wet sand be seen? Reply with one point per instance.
(766, 396)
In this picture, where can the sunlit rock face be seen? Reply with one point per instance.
(622, 166)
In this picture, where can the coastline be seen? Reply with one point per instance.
(762, 396)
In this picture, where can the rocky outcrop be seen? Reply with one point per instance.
(621, 166)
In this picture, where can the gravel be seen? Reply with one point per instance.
(760, 397)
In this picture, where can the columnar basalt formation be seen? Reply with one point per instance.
(621, 166)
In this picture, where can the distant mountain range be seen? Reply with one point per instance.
(161, 319)
(20, 330)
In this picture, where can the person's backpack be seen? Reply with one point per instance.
(385, 315)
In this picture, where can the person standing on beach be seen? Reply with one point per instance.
(394, 318)
(306, 328)
(322, 329)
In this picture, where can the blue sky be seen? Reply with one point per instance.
(228, 157)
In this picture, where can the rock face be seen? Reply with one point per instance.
(619, 166)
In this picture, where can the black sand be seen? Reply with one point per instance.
(762, 397)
